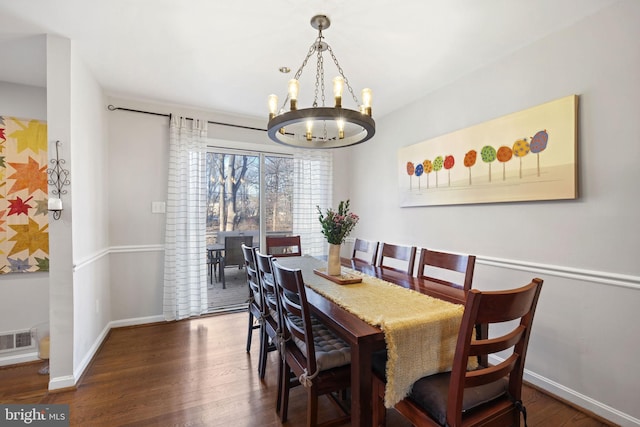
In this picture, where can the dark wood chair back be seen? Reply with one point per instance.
(282, 246)
(256, 304)
(436, 262)
(271, 311)
(365, 250)
(299, 348)
(267, 284)
(496, 396)
(398, 252)
(253, 280)
(295, 311)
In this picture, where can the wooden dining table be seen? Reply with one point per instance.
(364, 338)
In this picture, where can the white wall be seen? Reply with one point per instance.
(90, 185)
(22, 101)
(585, 343)
(60, 231)
(24, 298)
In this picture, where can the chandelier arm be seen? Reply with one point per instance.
(346, 81)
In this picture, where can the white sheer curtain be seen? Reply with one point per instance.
(313, 186)
(185, 269)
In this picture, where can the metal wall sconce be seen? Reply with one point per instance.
(58, 177)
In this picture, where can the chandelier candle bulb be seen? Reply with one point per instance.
(309, 133)
(338, 87)
(366, 101)
(273, 106)
(294, 88)
(340, 123)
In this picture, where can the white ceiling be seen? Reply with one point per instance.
(224, 55)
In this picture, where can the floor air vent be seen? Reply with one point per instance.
(16, 340)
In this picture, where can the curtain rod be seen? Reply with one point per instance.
(111, 107)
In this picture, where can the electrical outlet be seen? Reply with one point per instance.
(158, 207)
(97, 306)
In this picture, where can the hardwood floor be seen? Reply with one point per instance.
(197, 373)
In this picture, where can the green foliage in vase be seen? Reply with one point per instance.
(336, 225)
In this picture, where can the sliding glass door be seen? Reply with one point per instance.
(249, 194)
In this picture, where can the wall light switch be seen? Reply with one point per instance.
(158, 207)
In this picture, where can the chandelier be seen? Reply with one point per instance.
(321, 126)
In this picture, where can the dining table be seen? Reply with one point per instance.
(363, 337)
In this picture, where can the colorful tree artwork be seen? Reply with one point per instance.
(469, 161)
(504, 155)
(507, 142)
(24, 221)
(538, 144)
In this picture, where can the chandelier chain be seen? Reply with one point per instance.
(346, 81)
(318, 70)
(320, 78)
(312, 49)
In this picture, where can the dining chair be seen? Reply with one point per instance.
(318, 358)
(256, 306)
(398, 252)
(271, 313)
(284, 245)
(365, 251)
(439, 264)
(233, 255)
(489, 394)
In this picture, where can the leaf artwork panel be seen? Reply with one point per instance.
(523, 156)
(24, 221)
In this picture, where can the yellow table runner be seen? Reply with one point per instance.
(420, 331)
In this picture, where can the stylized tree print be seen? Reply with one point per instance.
(410, 171)
(469, 161)
(419, 170)
(488, 154)
(538, 144)
(504, 155)
(438, 162)
(428, 168)
(449, 161)
(521, 149)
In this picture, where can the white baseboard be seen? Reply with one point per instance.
(581, 400)
(70, 381)
(19, 358)
(136, 321)
(91, 353)
(576, 398)
(62, 382)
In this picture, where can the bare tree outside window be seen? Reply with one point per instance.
(278, 177)
(233, 199)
